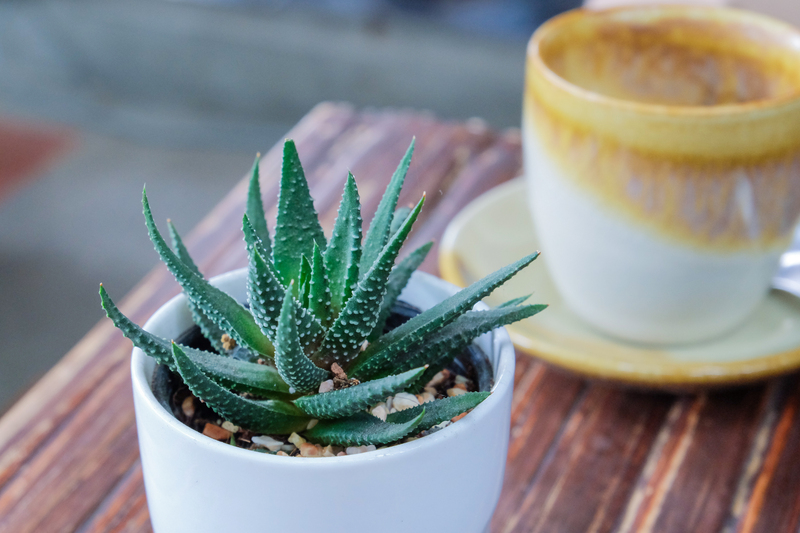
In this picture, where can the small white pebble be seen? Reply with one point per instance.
(404, 400)
(389, 403)
(432, 390)
(380, 411)
(427, 397)
(288, 448)
(296, 439)
(442, 425)
(188, 406)
(438, 378)
(353, 450)
(310, 450)
(326, 386)
(461, 379)
(393, 410)
(291, 390)
(267, 442)
(230, 426)
(455, 391)
(327, 451)
(311, 423)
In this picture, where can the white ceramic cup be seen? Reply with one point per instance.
(662, 154)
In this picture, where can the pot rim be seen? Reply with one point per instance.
(503, 380)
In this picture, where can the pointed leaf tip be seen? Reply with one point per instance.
(379, 228)
(220, 307)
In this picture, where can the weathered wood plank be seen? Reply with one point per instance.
(595, 461)
(775, 502)
(543, 399)
(125, 508)
(74, 468)
(703, 482)
(470, 175)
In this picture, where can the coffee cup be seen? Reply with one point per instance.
(662, 156)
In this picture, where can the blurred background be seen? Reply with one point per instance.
(99, 97)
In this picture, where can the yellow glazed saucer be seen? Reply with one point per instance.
(496, 229)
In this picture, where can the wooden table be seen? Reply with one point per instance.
(582, 457)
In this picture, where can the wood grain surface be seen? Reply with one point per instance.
(583, 457)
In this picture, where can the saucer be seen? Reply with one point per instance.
(496, 229)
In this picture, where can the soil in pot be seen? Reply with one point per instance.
(470, 371)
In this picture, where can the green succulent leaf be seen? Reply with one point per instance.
(383, 351)
(180, 249)
(294, 366)
(297, 227)
(345, 402)
(359, 430)
(265, 294)
(255, 210)
(514, 302)
(398, 280)
(398, 218)
(264, 291)
(148, 343)
(354, 324)
(310, 330)
(207, 327)
(252, 241)
(343, 254)
(266, 416)
(453, 339)
(438, 411)
(380, 227)
(319, 295)
(304, 285)
(240, 375)
(220, 307)
(457, 335)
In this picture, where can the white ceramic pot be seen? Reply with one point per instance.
(447, 481)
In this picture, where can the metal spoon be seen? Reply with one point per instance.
(787, 278)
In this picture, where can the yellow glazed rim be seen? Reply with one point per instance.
(717, 14)
(647, 374)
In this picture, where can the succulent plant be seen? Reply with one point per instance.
(318, 308)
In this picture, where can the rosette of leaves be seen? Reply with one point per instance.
(314, 303)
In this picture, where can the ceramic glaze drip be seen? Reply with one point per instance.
(666, 292)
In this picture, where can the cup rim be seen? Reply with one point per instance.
(748, 17)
